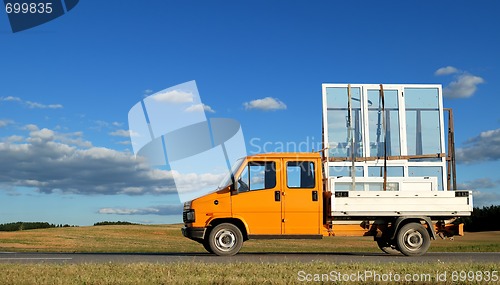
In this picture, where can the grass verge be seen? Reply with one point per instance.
(249, 273)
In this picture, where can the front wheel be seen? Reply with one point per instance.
(225, 239)
(413, 239)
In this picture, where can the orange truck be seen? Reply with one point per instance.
(383, 173)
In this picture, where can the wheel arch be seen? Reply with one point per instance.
(235, 221)
(401, 221)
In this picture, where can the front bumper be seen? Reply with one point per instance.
(196, 234)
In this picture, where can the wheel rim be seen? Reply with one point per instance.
(413, 240)
(225, 240)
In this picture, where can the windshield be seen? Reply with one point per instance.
(228, 179)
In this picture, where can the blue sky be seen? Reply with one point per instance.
(66, 88)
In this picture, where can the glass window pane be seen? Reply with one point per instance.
(377, 137)
(367, 186)
(392, 171)
(427, 171)
(390, 99)
(380, 121)
(345, 171)
(337, 133)
(339, 137)
(336, 97)
(423, 132)
(421, 98)
(257, 176)
(300, 174)
(347, 186)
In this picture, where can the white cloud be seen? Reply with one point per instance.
(446, 70)
(200, 108)
(464, 84)
(75, 139)
(480, 183)
(174, 96)
(11, 99)
(189, 182)
(31, 127)
(99, 125)
(14, 138)
(485, 198)
(4, 123)
(38, 136)
(46, 163)
(31, 104)
(164, 210)
(41, 135)
(121, 133)
(265, 104)
(35, 105)
(484, 147)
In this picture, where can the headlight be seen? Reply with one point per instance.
(188, 216)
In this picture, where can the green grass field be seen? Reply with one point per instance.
(167, 238)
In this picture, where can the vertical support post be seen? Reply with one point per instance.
(418, 138)
(385, 135)
(450, 157)
(351, 136)
(388, 131)
(452, 149)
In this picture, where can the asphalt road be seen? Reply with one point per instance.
(13, 257)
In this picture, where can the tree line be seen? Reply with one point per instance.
(20, 226)
(108, 223)
(482, 219)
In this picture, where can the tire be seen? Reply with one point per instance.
(387, 247)
(225, 239)
(413, 239)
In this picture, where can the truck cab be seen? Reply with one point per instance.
(274, 195)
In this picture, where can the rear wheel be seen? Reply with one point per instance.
(413, 239)
(225, 239)
(387, 247)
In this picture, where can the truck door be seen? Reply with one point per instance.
(301, 198)
(257, 199)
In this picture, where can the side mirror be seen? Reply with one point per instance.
(233, 189)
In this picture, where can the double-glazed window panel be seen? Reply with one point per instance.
(368, 123)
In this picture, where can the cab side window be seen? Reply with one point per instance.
(300, 174)
(258, 175)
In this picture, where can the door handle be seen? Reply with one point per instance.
(277, 196)
(315, 195)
